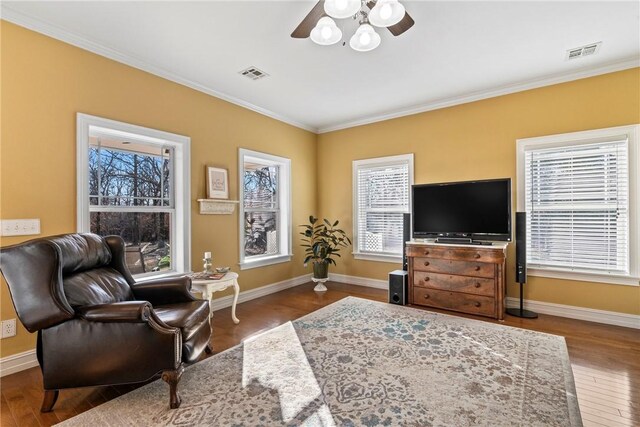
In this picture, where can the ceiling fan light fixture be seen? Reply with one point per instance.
(326, 32)
(386, 13)
(365, 39)
(341, 8)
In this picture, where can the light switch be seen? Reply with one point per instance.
(20, 227)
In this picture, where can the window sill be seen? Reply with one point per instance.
(584, 277)
(262, 262)
(396, 259)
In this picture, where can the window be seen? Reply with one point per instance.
(579, 192)
(134, 182)
(265, 209)
(381, 191)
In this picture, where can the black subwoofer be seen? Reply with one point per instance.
(398, 287)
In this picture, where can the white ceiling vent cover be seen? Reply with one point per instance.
(253, 73)
(586, 50)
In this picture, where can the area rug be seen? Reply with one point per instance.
(363, 363)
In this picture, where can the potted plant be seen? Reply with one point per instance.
(322, 242)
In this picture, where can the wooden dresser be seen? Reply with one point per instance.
(468, 279)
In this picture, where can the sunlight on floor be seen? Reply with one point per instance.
(605, 396)
(489, 350)
(276, 360)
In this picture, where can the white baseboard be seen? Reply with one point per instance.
(25, 360)
(18, 362)
(580, 313)
(360, 281)
(560, 310)
(244, 296)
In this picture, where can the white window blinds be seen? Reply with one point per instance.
(382, 196)
(577, 203)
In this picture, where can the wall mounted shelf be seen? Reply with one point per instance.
(217, 206)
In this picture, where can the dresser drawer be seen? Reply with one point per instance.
(449, 266)
(472, 304)
(449, 282)
(457, 253)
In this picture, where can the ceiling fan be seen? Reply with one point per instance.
(319, 25)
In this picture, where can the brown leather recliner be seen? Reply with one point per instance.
(95, 324)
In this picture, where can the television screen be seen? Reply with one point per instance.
(479, 210)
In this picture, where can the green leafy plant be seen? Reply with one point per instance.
(322, 241)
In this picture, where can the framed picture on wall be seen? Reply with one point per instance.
(217, 183)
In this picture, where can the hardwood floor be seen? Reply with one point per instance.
(605, 360)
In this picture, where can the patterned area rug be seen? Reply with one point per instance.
(364, 363)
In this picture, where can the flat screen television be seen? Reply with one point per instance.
(470, 210)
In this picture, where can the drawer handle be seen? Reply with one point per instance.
(426, 279)
(477, 268)
(477, 285)
(426, 252)
(426, 263)
(477, 304)
(426, 296)
(477, 256)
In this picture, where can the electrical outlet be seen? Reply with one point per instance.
(8, 328)
(20, 227)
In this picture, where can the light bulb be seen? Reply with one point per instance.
(342, 8)
(386, 11)
(365, 39)
(326, 32)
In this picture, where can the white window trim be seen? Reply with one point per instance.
(377, 161)
(180, 235)
(285, 232)
(632, 133)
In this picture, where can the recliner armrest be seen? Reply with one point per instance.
(164, 291)
(125, 311)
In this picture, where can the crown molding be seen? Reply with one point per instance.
(39, 26)
(548, 80)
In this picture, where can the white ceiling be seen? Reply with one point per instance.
(456, 52)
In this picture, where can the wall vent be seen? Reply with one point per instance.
(587, 50)
(253, 73)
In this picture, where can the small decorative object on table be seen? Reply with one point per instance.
(206, 276)
(322, 241)
(223, 269)
(208, 263)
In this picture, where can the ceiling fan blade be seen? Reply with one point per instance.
(304, 29)
(405, 23)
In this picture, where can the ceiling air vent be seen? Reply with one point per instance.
(253, 73)
(579, 52)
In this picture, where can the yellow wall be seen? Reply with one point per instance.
(477, 141)
(46, 82)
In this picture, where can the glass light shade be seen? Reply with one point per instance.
(386, 13)
(326, 32)
(342, 8)
(365, 39)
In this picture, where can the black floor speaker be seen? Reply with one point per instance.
(406, 236)
(398, 287)
(521, 265)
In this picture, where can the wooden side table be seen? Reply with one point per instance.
(208, 287)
